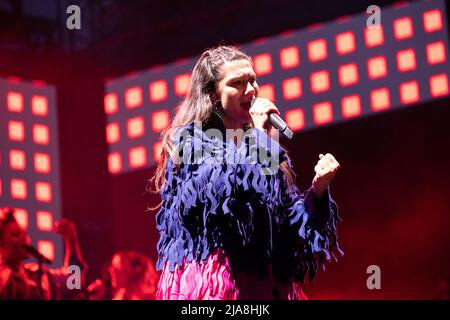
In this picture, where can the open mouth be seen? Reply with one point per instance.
(246, 105)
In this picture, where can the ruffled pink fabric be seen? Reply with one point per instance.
(209, 280)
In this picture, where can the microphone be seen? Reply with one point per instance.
(35, 253)
(279, 123)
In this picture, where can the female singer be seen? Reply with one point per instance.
(232, 223)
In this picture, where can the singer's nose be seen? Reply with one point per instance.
(250, 90)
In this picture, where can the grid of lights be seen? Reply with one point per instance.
(321, 75)
(29, 161)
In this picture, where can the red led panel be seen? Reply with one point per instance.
(137, 157)
(41, 134)
(18, 189)
(21, 216)
(157, 150)
(292, 88)
(322, 113)
(439, 85)
(317, 50)
(351, 106)
(133, 97)
(39, 105)
(376, 67)
(46, 248)
(295, 119)
(436, 52)
(17, 160)
(43, 191)
(320, 81)
(348, 74)
(15, 102)
(111, 103)
(0, 187)
(406, 60)
(262, 64)
(409, 92)
(135, 127)
(289, 57)
(114, 162)
(432, 20)
(16, 131)
(380, 99)
(403, 28)
(160, 120)
(345, 43)
(112, 132)
(42, 163)
(158, 91)
(44, 221)
(182, 84)
(267, 91)
(374, 37)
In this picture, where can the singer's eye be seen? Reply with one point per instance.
(237, 83)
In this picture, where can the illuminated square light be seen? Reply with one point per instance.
(345, 43)
(409, 92)
(432, 20)
(133, 97)
(320, 81)
(322, 112)
(43, 191)
(15, 102)
(42, 163)
(111, 103)
(46, 248)
(157, 151)
(289, 57)
(39, 105)
(44, 221)
(17, 160)
(351, 106)
(182, 84)
(18, 189)
(267, 91)
(41, 134)
(439, 85)
(137, 157)
(348, 74)
(436, 52)
(406, 60)
(380, 99)
(135, 127)
(158, 91)
(21, 216)
(317, 50)
(374, 37)
(160, 120)
(114, 162)
(403, 28)
(16, 131)
(377, 67)
(292, 88)
(295, 119)
(262, 63)
(112, 132)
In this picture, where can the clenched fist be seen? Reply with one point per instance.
(325, 169)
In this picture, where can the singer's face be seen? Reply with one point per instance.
(236, 89)
(13, 241)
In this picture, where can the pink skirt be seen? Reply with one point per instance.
(213, 279)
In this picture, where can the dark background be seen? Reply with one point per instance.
(393, 187)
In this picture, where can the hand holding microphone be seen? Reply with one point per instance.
(264, 113)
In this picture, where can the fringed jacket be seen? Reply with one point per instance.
(238, 199)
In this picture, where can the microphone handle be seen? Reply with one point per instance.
(279, 123)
